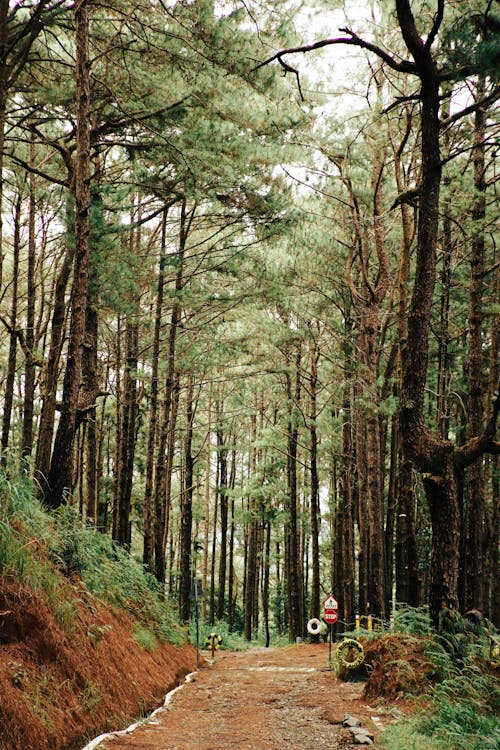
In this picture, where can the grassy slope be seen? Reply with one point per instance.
(85, 644)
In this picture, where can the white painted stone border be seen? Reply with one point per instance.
(97, 741)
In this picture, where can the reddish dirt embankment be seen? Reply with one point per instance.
(65, 680)
(263, 699)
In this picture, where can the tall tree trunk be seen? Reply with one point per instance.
(343, 581)
(251, 546)
(162, 475)
(473, 561)
(12, 358)
(4, 72)
(392, 493)
(186, 522)
(361, 510)
(492, 579)
(118, 429)
(149, 509)
(223, 479)
(314, 505)
(406, 553)
(50, 371)
(128, 434)
(90, 390)
(295, 585)
(439, 462)
(214, 549)
(431, 457)
(444, 358)
(59, 478)
(29, 335)
(206, 522)
(233, 580)
(265, 581)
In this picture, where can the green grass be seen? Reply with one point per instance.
(145, 638)
(37, 546)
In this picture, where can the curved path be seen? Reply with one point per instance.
(263, 699)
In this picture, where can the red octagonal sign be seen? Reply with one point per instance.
(330, 617)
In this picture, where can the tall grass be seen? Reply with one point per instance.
(35, 545)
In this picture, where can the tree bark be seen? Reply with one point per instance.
(149, 508)
(295, 585)
(223, 505)
(59, 478)
(186, 509)
(12, 358)
(128, 435)
(473, 561)
(314, 504)
(29, 335)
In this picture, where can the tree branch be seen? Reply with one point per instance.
(485, 443)
(403, 66)
(484, 102)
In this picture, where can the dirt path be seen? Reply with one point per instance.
(263, 699)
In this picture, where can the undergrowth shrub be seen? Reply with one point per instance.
(461, 708)
(33, 543)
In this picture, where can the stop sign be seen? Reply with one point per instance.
(330, 617)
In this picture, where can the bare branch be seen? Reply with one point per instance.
(438, 19)
(486, 101)
(485, 443)
(404, 66)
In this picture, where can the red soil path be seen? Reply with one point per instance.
(263, 699)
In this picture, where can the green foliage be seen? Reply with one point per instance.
(473, 39)
(24, 528)
(32, 542)
(145, 638)
(464, 701)
(412, 620)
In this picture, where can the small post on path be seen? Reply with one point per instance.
(196, 593)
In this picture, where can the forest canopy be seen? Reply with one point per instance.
(249, 314)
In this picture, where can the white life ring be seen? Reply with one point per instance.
(315, 626)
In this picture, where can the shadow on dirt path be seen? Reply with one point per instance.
(263, 699)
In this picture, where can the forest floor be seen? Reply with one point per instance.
(261, 699)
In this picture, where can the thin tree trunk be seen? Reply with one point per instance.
(149, 508)
(118, 430)
(223, 504)
(29, 335)
(91, 388)
(50, 372)
(315, 509)
(162, 476)
(473, 560)
(186, 521)
(251, 550)
(206, 523)
(128, 433)
(295, 586)
(12, 358)
(406, 553)
(4, 72)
